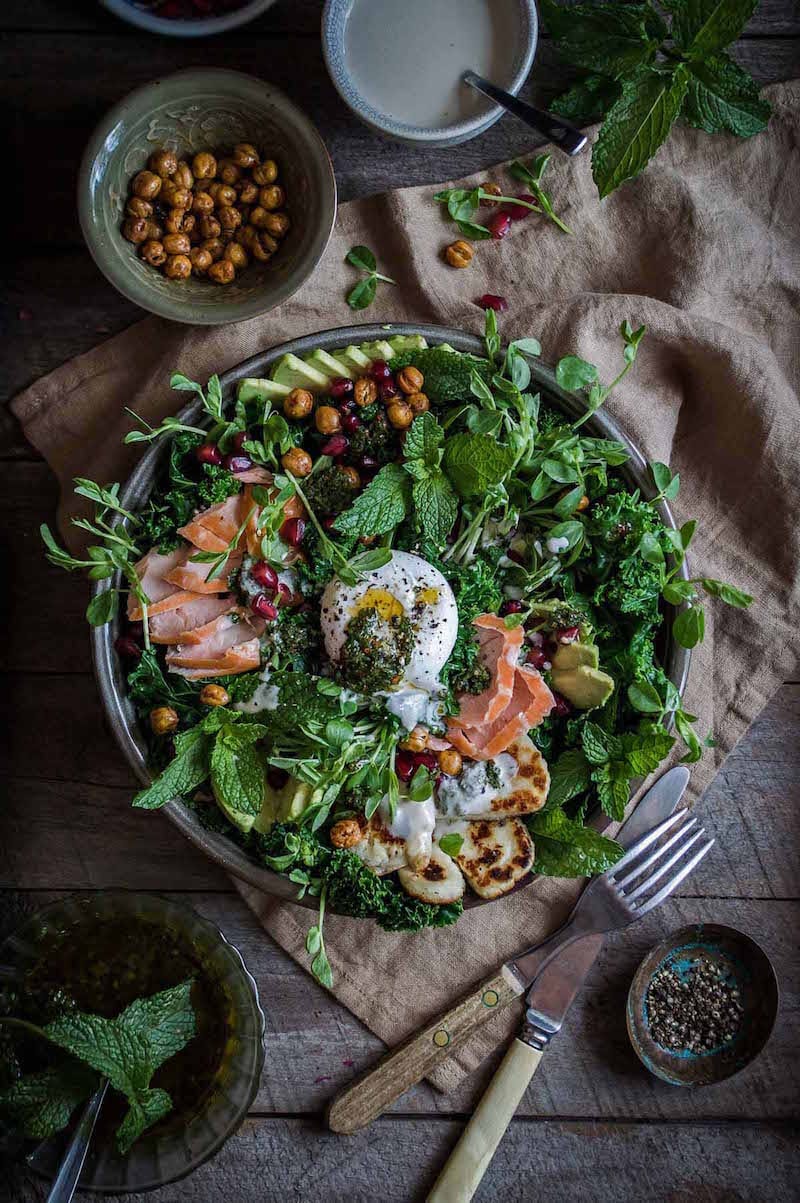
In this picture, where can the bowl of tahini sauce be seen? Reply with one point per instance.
(398, 65)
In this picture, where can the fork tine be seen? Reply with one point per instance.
(658, 873)
(639, 847)
(666, 890)
(660, 851)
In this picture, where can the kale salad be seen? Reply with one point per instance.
(392, 622)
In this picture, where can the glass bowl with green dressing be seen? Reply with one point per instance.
(105, 950)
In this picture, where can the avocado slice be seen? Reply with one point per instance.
(251, 389)
(576, 655)
(282, 805)
(355, 359)
(293, 372)
(329, 364)
(381, 349)
(585, 687)
(401, 343)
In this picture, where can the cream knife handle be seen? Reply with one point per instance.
(470, 1159)
(365, 1099)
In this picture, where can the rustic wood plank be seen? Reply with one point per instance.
(292, 1161)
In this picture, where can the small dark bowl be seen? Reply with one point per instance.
(744, 963)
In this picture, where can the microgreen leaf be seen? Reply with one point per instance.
(451, 844)
(363, 294)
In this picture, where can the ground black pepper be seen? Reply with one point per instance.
(696, 1011)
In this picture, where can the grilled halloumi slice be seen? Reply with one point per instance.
(406, 839)
(517, 784)
(494, 854)
(379, 849)
(441, 880)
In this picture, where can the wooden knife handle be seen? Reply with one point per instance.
(470, 1159)
(368, 1096)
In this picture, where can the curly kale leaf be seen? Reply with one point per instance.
(476, 591)
(189, 486)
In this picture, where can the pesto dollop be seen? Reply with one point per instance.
(376, 651)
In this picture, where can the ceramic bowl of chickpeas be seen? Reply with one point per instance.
(207, 197)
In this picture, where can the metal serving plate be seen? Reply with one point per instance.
(111, 678)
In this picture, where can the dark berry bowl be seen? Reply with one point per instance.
(702, 1005)
(187, 18)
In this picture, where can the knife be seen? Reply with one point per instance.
(561, 975)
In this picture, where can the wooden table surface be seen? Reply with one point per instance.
(594, 1125)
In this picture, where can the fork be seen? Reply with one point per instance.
(611, 901)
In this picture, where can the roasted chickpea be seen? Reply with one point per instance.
(416, 740)
(155, 232)
(147, 185)
(135, 229)
(183, 175)
(353, 477)
(176, 196)
(272, 197)
(173, 222)
(204, 166)
(298, 404)
(210, 227)
(191, 227)
(494, 190)
(266, 172)
(153, 253)
(583, 504)
(365, 391)
(400, 415)
(226, 195)
(258, 217)
(228, 171)
(264, 246)
(277, 224)
(163, 720)
(410, 380)
(214, 695)
(418, 403)
(248, 192)
(459, 253)
(222, 272)
(163, 163)
(237, 255)
(202, 204)
(328, 420)
(177, 244)
(346, 833)
(450, 762)
(136, 207)
(245, 155)
(215, 247)
(229, 218)
(178, 267)
(297, 461)
(201, 260)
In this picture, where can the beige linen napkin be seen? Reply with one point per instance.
(704, 249)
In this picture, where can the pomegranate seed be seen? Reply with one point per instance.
(537, 658)
(208, 453)
(277, 777)
(350, 423)
(368, 462)
(519, 212)
(336, 445)
(562, 707)
(240, 439)
(404, 765)
(380, 370)
(499, 225)
(426, 759)
(238, 463)
(292, 531)
(341, 461)
(510, 607)
(341, 387)
(285, 597)
(567, 635)
(265, 575)
(127, 648)
(388, 390)
(490, 300)
(262, 606)
(329, 521)
(516, 556)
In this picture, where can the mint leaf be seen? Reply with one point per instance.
(474, 462)
(610, 39)
(189, 769)
(166, 1017)
(702, 27)
(424, 440)
(565, 848)
(612, 781)
(587, 99)
(636, 126)
(42, 1103)
(381, 507)
(644, 750)
(570, 775)
(597, 743)
(238, 775)
(722, 98)
(145, 1110)
(436, 505)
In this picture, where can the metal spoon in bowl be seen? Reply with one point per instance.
(561, 133)
(69, 1171)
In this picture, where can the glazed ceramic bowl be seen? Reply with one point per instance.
(167, 1151)
(334, 41)
(111, 676)
(188, 112)
(202, 27)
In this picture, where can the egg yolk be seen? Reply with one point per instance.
(381, 600)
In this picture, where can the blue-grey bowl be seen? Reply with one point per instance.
(334, 21)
